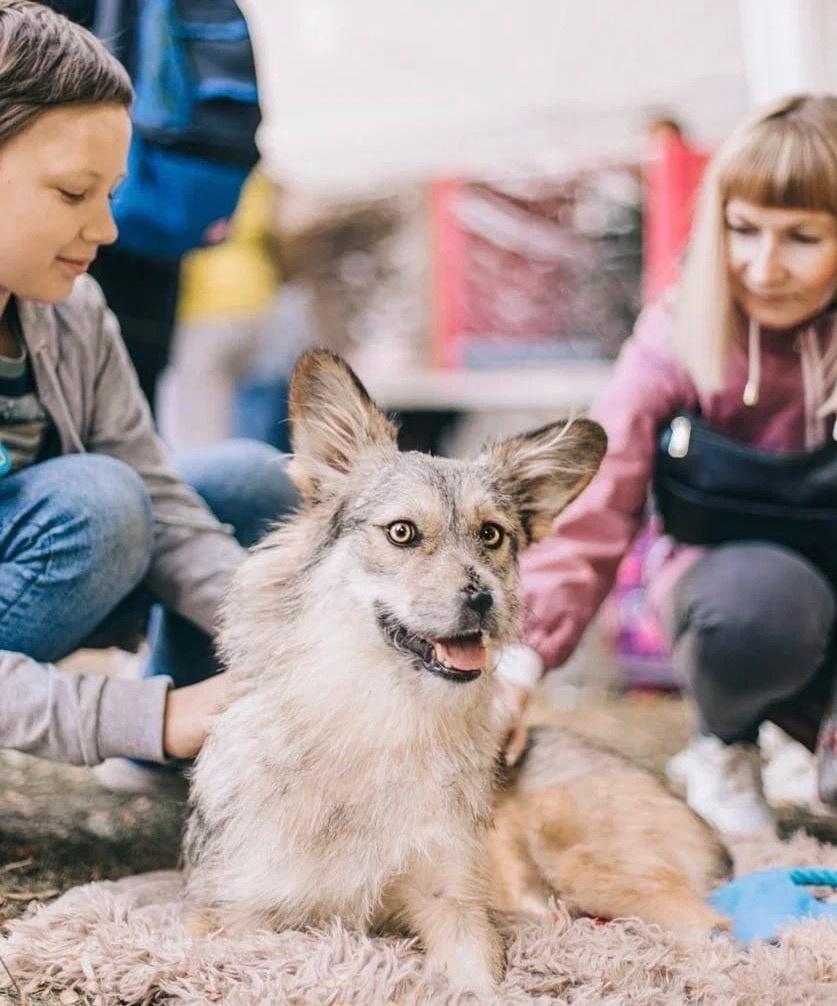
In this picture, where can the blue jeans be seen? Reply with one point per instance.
(76, 536)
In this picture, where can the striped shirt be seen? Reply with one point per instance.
(23, 421)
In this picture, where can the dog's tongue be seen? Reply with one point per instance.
(461, 655)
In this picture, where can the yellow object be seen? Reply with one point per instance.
(238, 277)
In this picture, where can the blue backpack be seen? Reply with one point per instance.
(195, 119)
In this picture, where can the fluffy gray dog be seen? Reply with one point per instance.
(353, 774)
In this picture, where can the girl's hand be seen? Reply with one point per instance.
(190, 713)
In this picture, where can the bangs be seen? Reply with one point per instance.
(782, 166)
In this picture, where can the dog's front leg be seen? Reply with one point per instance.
(445, 905)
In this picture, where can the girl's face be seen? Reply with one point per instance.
(56, 180)
(782, 263)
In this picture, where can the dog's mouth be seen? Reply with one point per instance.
(455, 658)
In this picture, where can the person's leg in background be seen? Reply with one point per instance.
(751, 625)
(260, 409)
(227, 290)
(196, 393)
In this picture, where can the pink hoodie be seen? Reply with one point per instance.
(566, 577)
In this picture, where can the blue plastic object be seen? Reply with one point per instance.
(5, 460)
(760, 904)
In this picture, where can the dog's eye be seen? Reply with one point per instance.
(492, 535)
(402, 532)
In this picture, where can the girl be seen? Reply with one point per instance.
(94, 524)
(750, 346)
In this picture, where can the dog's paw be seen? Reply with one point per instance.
(477, 967)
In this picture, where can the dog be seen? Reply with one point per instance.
(577, 821)
(354, 773)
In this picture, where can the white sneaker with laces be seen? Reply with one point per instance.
(723, 783)
(790, 770)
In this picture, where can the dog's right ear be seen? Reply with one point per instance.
(542, 471)
(333, 421)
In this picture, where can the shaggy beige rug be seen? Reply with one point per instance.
(123, 942)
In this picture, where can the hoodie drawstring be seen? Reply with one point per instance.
(828, 364)
(753, 385)
(813, 385)
(817, 368)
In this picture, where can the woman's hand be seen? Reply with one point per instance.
(518, 670)
(190, 713)
(510, 704)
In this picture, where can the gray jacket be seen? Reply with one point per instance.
(88, 386)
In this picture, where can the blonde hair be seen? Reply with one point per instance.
(784, 158)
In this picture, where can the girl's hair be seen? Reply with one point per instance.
(47, 61)
(785, 158)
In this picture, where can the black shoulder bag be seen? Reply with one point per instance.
(710, 489)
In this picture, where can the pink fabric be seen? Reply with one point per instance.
(631, 622)
(566, 577)
(672, 178)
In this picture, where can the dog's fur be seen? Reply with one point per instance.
(581, 822)
(353, 775)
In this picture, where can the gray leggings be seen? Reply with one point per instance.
(751, 627)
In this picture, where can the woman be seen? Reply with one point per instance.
(748, 343)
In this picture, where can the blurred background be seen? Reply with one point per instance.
(471, 201)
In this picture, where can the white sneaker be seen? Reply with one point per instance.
(122, 775)
(722, 783)
(790, 770)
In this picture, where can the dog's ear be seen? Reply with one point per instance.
(542, 471)
(333, 420)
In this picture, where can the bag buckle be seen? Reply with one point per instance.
(681, 434)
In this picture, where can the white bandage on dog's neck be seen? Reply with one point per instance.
(520, 665)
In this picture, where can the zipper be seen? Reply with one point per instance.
(681, 435)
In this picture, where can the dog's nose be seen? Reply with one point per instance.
(479, 601)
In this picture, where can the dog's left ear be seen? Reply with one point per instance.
(542, 471)
(333, 421)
